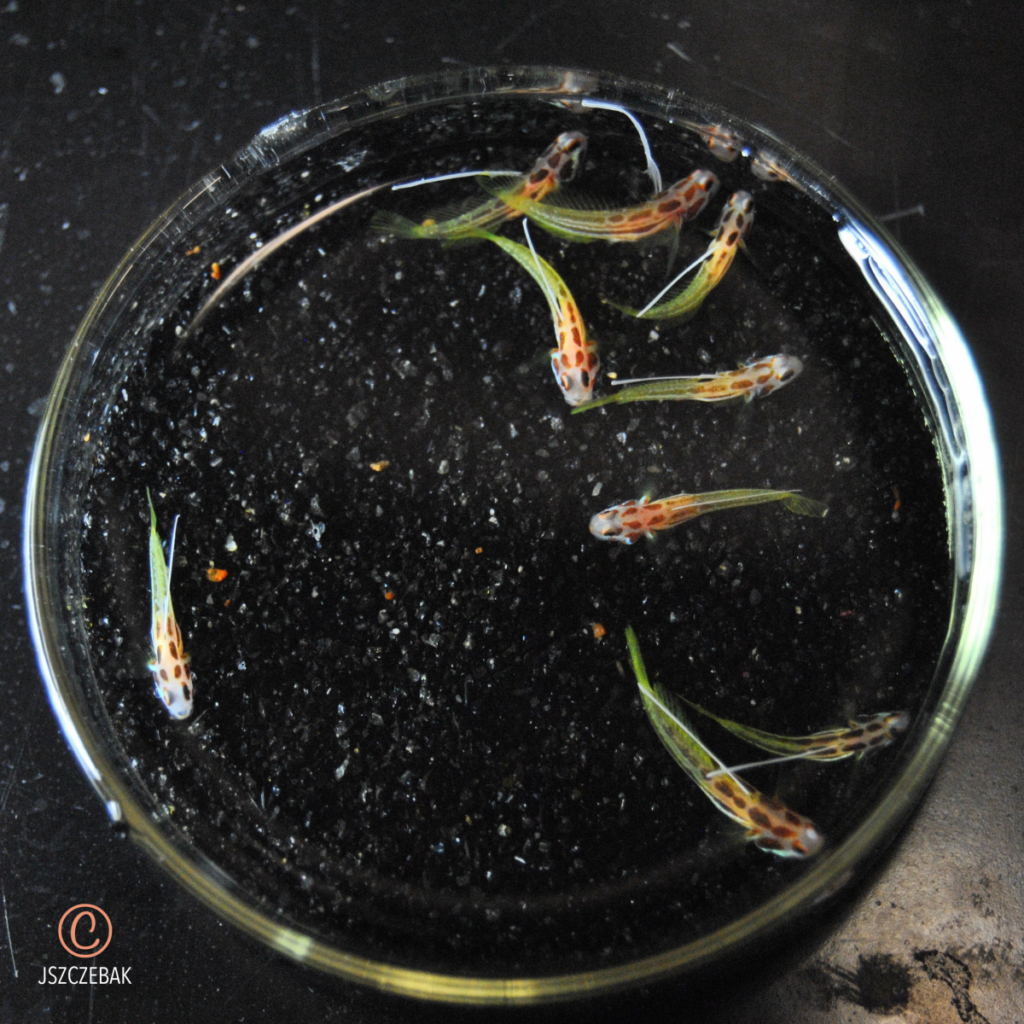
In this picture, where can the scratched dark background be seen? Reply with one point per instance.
(108, 111)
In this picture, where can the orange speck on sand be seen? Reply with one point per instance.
(389, 595)
(216, 575)
(195, 249)
(479, 551)
(896, 494)
(378, 466)
(86, 438)
(215, 271)
(227, 602)
(599, 630)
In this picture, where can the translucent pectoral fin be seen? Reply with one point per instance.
(673, 250)
(500, 185)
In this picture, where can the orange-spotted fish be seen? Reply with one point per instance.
(628, 522)
(864, 733)
(770, 825)
(768, 167)
(574, 362)
(749, 381)
(172, 676)
(737, 217)
(556, 165)
(723, 142)
(670, 209)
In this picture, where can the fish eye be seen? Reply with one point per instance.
(786, 374)
(566, 383)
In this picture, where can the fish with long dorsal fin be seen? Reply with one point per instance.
(172, 674)
(755, 379)
(735, 222)
(575, 361)
(556, 165)
(770, 825)
(631, 520)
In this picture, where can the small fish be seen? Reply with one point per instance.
(768, 167)
(172, 677)
(628, 522)
(723, 142)
(556, 165)
(573, 82)
(672, 208)
(737, 217)
(864, 733)
(575, 362)
(749, 381)
(770, 825)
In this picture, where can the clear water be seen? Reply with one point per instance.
(408, 736)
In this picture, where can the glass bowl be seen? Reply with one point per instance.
(417, 756)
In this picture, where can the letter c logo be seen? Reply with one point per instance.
(84, 933)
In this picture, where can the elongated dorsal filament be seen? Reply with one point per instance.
(675, 280)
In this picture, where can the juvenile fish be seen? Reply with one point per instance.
(172, 674)
(770, 825)
(864, 733)
(670, 209)
(768, 167)
(751, 380)
(723, 142)
(628, 522)
(735, 222)
(575, 361)
(557, 165)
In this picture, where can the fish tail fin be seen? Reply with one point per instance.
(666, 714)
(805, 506)
(667, 702)
(394, 225)
(621, 307)
(639, 669)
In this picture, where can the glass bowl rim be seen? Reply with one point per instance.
(303, 130)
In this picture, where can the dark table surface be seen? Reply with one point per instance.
(108, 111)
